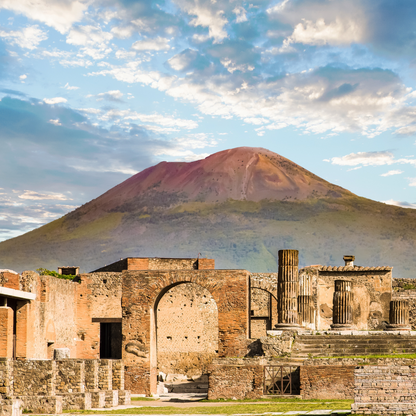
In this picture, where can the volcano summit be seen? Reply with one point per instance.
(239, 206)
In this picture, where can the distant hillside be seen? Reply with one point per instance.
(239, 206)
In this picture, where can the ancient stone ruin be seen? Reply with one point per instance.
(139, 324)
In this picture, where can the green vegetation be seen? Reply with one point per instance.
(46, 272)
(144, 399)
(409, 286)
(282, 405)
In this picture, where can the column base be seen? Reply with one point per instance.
(287, 327)
(342, 327)
(395, 327)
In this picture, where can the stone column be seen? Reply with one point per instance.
(305, 308)
(287, 290)
(342, 306)
(399, 316)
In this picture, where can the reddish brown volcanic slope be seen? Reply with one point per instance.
(243, 173)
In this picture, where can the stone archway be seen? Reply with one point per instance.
(141, 293)
(263, 311)
(186, 330)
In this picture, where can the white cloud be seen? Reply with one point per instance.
(156, 44)
(55, 122)
(93, 39)
(76, 62)
(114, 95)
(58, 14)
(392, 172)
(338, 32)
(23, 77)
(27, 38)
(364, 159)
(240, 13)
(400, 204)
(69, 87)
(41, 196)
(55, 100)
(123, 54)
(412, 181)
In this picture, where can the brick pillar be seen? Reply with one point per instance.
(305, 307)
(399, 316)
(287, 290)
(6, 332)
(342, 306)
(22, 333)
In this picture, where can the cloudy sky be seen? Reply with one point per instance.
(94, 91)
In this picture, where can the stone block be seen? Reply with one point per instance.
(124, 397)
(76, 401)
(60, 353)
(111, 398)
(98, 399)
(42, 404)
(10, 407)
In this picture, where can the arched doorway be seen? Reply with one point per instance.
(186, 330)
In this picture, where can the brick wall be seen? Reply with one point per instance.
(10, 280)
(327, 382)
(385, 390)
(232, 381)
(141, 290)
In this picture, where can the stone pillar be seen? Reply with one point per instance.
(287, 290)
(342, 306)
(305, 307)
(399, 316)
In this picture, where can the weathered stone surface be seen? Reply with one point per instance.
(60, 353)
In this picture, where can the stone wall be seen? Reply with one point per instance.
(47, 386)
(187, 330)
(385, 390)
(235, 381)
(327, 382)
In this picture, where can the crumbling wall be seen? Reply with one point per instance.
(187, 330)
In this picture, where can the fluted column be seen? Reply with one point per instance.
(399, 316)
(288, 288)
(305, 308)
(342, 305)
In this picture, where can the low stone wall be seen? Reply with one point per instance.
(385, 389)
(49, 386)
(235, 381)
(327, 381)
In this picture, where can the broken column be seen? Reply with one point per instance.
(399, 316)
(342, 306)
(287, 290)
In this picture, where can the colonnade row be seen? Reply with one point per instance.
(294, 302)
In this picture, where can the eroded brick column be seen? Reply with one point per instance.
(288, 287)
(6, 332)
(342, 306)
(399, 316)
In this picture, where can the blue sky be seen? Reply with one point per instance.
(94, 91)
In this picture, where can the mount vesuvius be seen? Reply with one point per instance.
(239, 206)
